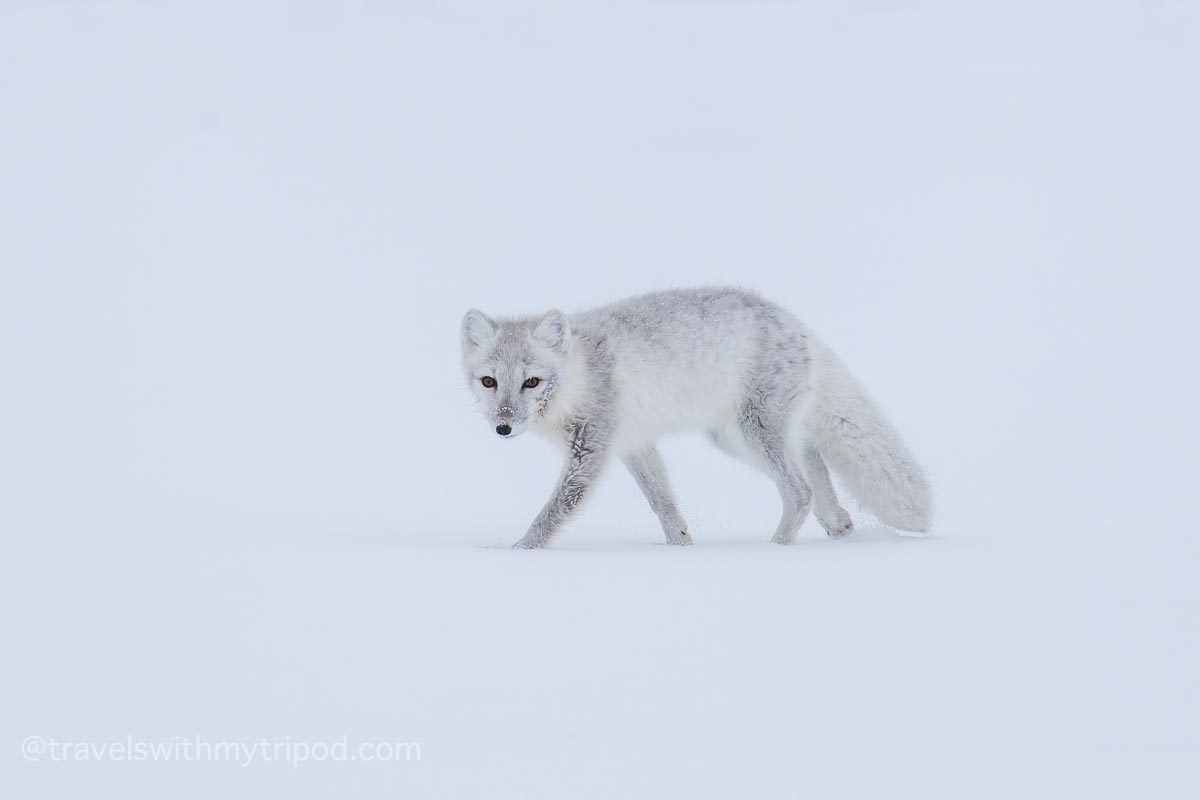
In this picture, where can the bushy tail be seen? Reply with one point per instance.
(862, 447)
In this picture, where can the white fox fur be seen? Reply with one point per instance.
(613, 380)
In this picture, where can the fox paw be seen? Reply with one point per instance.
(526, 544)
(838, 524)
(681, 537)
(677, 534)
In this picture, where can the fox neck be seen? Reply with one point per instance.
(571, 394)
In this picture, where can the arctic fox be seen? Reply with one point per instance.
(611, 381)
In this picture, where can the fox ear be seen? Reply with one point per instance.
(478, 330)
(554, 331)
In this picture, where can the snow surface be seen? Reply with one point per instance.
(243, 493)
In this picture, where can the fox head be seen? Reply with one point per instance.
(514, 367)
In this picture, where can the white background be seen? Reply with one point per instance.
(243, 492)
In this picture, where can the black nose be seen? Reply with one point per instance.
(503, 430)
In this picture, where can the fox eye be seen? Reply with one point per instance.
(531, 383)
(488, 381)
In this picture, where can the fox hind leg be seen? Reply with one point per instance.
(833, 518)
(766, 435)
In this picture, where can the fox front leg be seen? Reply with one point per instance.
(648, 470)
(587, 449)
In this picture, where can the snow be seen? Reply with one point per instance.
(243, 493)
